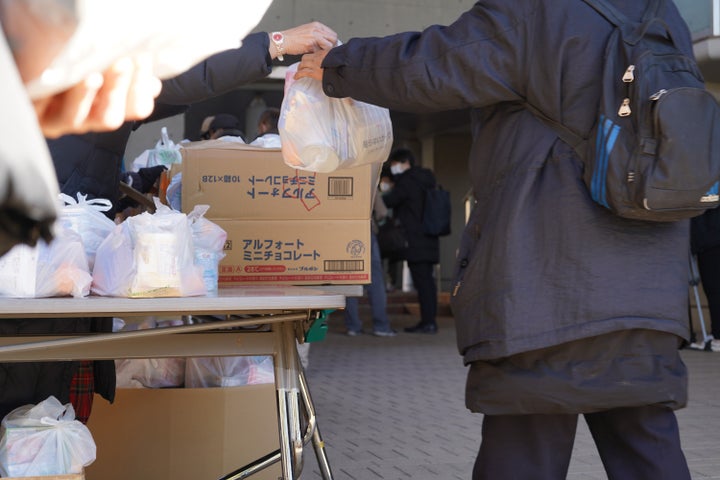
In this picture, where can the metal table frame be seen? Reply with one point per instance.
(288, 311)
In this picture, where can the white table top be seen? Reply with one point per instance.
(229, 300)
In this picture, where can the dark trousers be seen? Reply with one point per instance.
(638, 443)
(709, 268)
(424, 283)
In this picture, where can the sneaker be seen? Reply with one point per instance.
(384, 333)
(353, 333)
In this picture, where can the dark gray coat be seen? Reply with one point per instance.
(540, 263)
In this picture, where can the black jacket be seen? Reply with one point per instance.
(406, 199)
(540, 264)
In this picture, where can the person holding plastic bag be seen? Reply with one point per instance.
(554, 311)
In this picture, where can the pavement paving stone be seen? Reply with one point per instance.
(393, 408)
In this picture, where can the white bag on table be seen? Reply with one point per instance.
(149, 255)
(208, 241)
(57, 269)
(44, 439)
(86, 217)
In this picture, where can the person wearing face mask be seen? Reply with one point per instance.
(423, 251)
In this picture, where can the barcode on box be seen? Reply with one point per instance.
(344, 265)
(340, 186)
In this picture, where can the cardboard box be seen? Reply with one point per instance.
(241, 182)
(184, 433)
(295, 252)
(285, 226)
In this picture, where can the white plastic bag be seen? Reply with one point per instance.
(204, 372)
(85, 217)
(149, 255)
(47, 270)
(208, 242)
(165, 153)
(322, 134)
(44, 439)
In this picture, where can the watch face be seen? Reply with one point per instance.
(277, 37)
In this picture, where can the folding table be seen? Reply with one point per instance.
(287, 313)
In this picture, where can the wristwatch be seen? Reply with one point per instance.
(279, 40)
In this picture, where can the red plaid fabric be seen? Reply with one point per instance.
(82, 390)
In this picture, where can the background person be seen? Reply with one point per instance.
(376, 292)
(553, 311)
(406, 199)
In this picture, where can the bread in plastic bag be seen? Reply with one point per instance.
(322, 134)
(57, 269)
(149, 255)
(44, 439)
(86, 218)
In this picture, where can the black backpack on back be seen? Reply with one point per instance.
(654, 152)
(437, 212)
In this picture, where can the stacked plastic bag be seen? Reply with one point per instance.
(193, 372)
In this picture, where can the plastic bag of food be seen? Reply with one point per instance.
(57, 269)
(149, 255)
(204, 372)
(44, 439)
(208, 242)
(322, 134)
(86, 218)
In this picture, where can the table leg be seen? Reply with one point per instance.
(287, 379)
(318, 443)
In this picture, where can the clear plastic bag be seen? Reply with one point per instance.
(208, 242)
(44, 439)
(149, 255)
(322, 134)
(204, 372)
(57, 269)
(85, 217)
(165, 153)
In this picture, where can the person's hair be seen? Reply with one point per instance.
(402, 155)
(270, 119)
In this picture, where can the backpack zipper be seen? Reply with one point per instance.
(627, 78)
(656, 96)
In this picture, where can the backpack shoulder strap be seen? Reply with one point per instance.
(617, 18)
(568, 136)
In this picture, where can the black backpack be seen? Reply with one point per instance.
(437, 212)
(654, 152)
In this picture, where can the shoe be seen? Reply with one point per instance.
(384, 333)
(428, 328)
(353, 333)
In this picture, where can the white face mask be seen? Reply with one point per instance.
(397, 169)
(384, 187)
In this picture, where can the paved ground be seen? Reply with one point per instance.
(392, 408)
